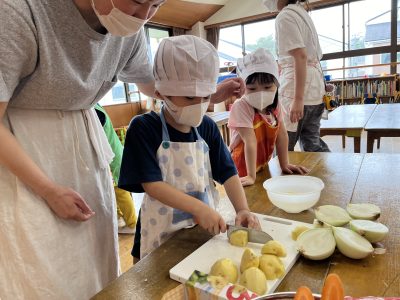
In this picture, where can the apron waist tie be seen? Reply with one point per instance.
(98, 139)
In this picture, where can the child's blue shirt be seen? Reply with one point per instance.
(144, 137)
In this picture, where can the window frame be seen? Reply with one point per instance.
(127, 92)
(393, 48)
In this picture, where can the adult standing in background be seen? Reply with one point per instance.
(58, 233)
(301, 79)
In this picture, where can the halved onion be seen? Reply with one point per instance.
(351, 243)
(332, 215)
(318, 224)
(364, 211)
(316, 243)
(372, 231)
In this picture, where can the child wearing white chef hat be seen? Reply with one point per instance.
(174, 156)
(255, 122)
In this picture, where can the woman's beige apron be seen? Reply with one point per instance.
(38, 250)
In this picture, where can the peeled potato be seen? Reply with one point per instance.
(272, 266)
(254, 280)
(297, 231)
(249, 259)
(239, 238)
(225, 268)
(274, 248)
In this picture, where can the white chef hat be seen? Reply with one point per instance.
(259, 61)
(186, 65)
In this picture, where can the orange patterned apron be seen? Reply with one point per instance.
(266, 135)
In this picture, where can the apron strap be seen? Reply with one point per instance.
(165, 134)
(198, 137)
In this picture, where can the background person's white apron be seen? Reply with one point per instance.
(313, 91)
(314, 87)
(38, 250)
(185, 166)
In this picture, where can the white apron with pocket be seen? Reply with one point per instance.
(313, 91)
(185, 166)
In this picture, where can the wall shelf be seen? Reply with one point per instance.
(350, 90)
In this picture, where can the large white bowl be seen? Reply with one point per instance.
(294, 193)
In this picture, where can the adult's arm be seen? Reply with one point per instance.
(300, 73)
(230, 87)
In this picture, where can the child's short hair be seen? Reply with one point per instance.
(264, 78)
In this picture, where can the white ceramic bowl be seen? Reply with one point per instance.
(294, 193)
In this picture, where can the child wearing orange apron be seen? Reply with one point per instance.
(255, 120)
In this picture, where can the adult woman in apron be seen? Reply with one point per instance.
(57, 60)
(301, 79)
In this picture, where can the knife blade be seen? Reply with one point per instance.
(255, 236)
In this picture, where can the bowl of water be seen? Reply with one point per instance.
(294, 193)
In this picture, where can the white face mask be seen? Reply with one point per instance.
(119, 23)
(260, 100)
(271, 5)
(191, 115)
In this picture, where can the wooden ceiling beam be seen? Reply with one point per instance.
(183, 14)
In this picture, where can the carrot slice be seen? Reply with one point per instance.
(333, 288)
(303, 293)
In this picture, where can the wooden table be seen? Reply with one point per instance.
(221, 119)
(384, 122)
(348, 120)
(348, 177)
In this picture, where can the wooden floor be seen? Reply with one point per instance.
(388, 145)
(125, 248)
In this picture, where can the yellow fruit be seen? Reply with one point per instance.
(254, 280)
(274, 248)
(217, 282)
(239, 238)
(297, 231)
(249, 259)
(272, 266)
(225, 268)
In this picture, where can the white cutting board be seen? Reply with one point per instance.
(218, 247)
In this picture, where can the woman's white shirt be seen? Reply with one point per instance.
(294, 29)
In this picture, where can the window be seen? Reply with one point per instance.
(385, 58)
(155, 36)
(134, 93)
(117, 94)
(330, 29)
(230, 45)
(369, 24)
(366, 60)
(114, 96)
(260, 35)
(333, 64)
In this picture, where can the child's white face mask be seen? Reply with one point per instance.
(119, 23)
(260, 100)
(190, 115)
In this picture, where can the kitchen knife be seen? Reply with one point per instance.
(255, 236)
